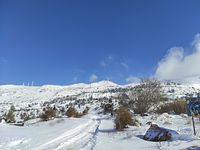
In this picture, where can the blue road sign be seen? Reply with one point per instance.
(193, 106)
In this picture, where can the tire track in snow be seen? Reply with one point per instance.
(83, 136)
(92, 142)
(67, 138)
(95, 134)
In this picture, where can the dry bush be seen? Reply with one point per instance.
(48, 114)
(164, 108)
(72, 112)
(123, 118)
(178, 107)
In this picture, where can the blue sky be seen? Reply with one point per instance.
(70, 41)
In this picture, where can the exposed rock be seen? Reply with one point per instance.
(156, 133)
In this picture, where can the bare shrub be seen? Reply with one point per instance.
(147, 94)
(123, 118)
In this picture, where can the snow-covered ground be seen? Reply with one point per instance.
(92, 131)
(131, 138)
(57, 134)
(96, 132)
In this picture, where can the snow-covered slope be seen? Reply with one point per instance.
(30, 94)
(174, 90)
(38, 94)
(92, 131)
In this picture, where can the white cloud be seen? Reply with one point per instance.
(93, 78)
(125, 65)
(132, 79)
(178, 66)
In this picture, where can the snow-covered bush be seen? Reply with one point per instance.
(123, 118)
(85, 111)
(25, 117)
(72, 112)
(49, 113)
(10, 116)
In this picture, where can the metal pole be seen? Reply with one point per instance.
(193, 125)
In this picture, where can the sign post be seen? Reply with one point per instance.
(193, 125)
(193, 106)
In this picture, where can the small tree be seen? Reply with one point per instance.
(123, 118)
(146, 95)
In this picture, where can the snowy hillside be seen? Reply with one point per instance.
(30, 94)
(35, 94)
(94, 130)
(33, 99)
